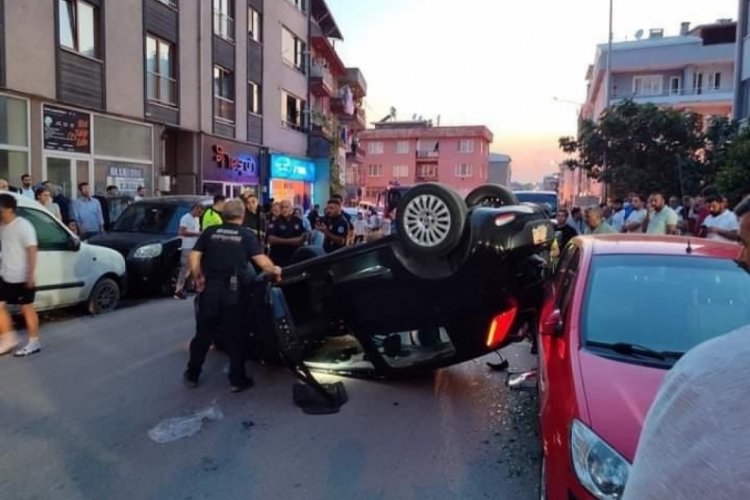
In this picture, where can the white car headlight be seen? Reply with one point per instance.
(148, 251)
(600, 469)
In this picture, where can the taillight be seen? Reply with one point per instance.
(500, 327)
(503, 219)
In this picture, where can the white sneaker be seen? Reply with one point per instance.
(31, 347)
(8, 342)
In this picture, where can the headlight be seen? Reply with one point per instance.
(148, 251)
(599, 468)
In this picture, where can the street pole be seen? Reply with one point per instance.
(608, 88)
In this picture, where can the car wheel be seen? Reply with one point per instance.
(169, 285)
(491, 195)
(431, 219)
(104, 297)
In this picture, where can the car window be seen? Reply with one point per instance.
(547, 201)
(50, 235)
(562, 265)
(666, 303)
(174, 224)
(148, 218)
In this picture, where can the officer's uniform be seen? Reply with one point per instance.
(210, 218)
(227, 250)
(339, 227)
(293, 227)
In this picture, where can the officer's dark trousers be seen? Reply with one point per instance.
(220, 315)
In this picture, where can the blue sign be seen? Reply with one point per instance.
(293, 169)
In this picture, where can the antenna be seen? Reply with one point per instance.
(689, 249)
(639, 34)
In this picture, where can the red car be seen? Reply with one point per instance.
(620, 311)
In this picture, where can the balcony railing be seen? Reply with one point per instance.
(428, 154)
(223, 26)
(691, 92)
(224, 109)
(324, 76)
(323, 123)
(161, 89)
(356, 153)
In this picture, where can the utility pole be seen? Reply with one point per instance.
(608, 88)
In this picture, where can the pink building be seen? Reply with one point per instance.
(412, 152)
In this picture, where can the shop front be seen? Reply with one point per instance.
(292, 179)
(229, 168)
(102, 151)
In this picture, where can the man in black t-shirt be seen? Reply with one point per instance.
(220, 265)
(286, 235)
(334, 226)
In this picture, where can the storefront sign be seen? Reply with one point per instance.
(229, 162)
(293, 169)
(127, 178)
(66, 130)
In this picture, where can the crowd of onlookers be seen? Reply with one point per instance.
(706, 216)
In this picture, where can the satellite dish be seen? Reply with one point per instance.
(639, 34)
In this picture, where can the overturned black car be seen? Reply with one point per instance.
(458, 279)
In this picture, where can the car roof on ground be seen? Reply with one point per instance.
(551, 193)
(637, 244)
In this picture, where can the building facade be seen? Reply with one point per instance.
(500, 171)
(413, 152)
(210, 97)
(742, 63)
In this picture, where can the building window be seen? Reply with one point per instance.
(714, 81)
(648, 85)
(427, 171)
(223, 94)
(675, 85)
(463, 170)
(171, 3)
(375, 170)
(254, 98)
(224, 19)
(402, 147)
(254, 24)
(292, 111)
(401, 171)
(78, 21)
(161, 85)
(292, 50)
(466, 146)
(375, 148)
(300, 5)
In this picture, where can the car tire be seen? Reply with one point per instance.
(104, 297)
(491, 195)
(306, 253)
(431, 219)
(169, 284)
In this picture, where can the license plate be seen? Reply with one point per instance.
(539, 234)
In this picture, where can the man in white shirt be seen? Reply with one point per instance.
(721, 224)
(360, 228)
(634, 221)
(17, 283)
(695, 442)
(618, 218)
(190, 229)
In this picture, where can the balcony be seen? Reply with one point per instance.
(676, 97)
(427, 173)
(427, 178)
(427, 155)
(356, 154)
(356, 80)
(322, 83)
(323, 124)
(357, 121)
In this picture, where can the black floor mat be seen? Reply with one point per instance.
(313, 402)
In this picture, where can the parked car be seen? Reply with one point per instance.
(70, 272)
(146, 235)
(545, 199)
(621, 311)
(460, 279)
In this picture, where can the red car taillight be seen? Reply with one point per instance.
(500, 327)
(504, 219)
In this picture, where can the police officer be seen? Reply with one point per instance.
(212, 215)
(334, 226)
(220, 265)
(286, 234)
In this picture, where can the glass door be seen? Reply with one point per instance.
(60, 174)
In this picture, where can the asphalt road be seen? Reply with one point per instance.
(75, 423)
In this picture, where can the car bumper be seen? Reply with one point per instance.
(144, 273)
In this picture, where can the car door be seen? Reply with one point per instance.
(61, 268)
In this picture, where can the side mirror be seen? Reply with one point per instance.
(74, 244)
(552, 325)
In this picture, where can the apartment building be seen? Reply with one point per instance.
(500, 169)
(412, 152)
(209, 96)
(742, 63)
(691, 71)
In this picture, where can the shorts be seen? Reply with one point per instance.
(16, 293)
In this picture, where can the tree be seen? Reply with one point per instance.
(640, 148)
(733, 168)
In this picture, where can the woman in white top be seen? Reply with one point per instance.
(44, 197)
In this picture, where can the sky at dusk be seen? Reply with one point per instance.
(499, 63)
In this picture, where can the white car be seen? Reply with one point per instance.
(68, 271)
